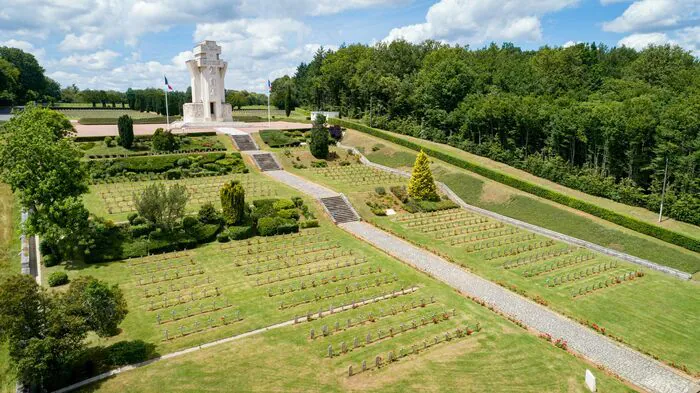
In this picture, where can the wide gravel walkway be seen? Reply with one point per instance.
(629, 364)
(303, 185)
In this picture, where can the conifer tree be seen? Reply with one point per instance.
(421, 186)
(232, 202)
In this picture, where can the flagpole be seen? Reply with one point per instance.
(167, 112)
(269, 91)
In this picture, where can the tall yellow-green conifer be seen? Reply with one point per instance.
(422, 186)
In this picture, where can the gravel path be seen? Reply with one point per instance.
(629, 364)
(301, 184)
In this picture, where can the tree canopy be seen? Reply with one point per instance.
(599, 119)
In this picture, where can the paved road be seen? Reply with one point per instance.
(639, 369)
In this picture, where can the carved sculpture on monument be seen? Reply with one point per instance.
(207, 72)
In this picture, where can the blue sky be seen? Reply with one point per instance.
(132, 43)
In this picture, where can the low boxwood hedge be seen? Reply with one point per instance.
(606, 214)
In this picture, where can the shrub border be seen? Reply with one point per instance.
(606, 214)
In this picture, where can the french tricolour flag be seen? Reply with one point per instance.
(269, 85)
(170, 88)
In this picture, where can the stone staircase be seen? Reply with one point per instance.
(339, 209)
(266, 162)
(244, 142)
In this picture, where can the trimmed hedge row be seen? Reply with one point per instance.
(140, 137)
(606, 214)
(94, 121)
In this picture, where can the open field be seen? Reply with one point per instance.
(76, 114)
(494, 196)
(639, 213)
(577, 282)
(9, 264)
(270, 280)
(85, 104)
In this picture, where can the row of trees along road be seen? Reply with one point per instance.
(598, 119)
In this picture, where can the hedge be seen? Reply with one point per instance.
(57, 279)
(97, 138)
(606, 214)
(99, 121)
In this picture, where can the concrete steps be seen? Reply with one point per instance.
(339, 209)
(244, 142)
(266, 162)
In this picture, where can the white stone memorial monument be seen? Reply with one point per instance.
(207, 72)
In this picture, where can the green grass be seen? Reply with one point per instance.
(143, 146)
(9, 264)
(104, 113)
(502, 199)
(638, 213)
(86, 105)
(669, 320)
(501, 356)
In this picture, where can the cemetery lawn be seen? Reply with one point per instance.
(667, 308)
(9, 264)
(502, 199)
(75, 114)
(501, 356)
(632, 211)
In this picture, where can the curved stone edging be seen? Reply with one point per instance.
(534, 228)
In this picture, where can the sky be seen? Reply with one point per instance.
(117, 44)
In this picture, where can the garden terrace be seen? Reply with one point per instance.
(587, 286)
(117, 199)
(108, 148)
(174, 166)
(348, 297)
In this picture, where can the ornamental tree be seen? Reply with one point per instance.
(319, 138)
(232, 202)
(126, 131)
(421, 186)
(102, 306)
(164, 207)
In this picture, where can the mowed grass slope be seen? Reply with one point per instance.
(494, 196)
(667, 308)
(500, 357)
(632, 211)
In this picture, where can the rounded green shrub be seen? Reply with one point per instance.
(222, 238)
(240, 232)
(283, 204)
(58, 278)
(50, 260)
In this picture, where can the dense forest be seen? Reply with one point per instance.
(598, 119)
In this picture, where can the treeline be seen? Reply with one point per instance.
(598, 119)
(22, 79)
(241, 98)
(153, 100)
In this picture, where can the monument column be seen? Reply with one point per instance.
(207, 73)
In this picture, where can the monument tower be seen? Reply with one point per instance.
(207, 72)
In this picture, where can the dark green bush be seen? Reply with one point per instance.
(269, 226)
(400, 192)
(298, 201)
(128, 352)
(58, 278)
(308, 224)
(50, 260)
(283, 204)
(609, 215)
(289, 213)
(163, 140)
(190, 222)
(140, 230)
(240, 232)
(131, 217)
(222, 237)
(208, 214)
(380, 190)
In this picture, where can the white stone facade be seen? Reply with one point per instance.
(207, 72)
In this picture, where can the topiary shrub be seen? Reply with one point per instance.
(298, 201)
(232, 202)
(380, 190)
(189, 222)
(58, 278)
(269, 226)
(164, 141)
(50, 260)
(125, 125)
(208, 214)
(222, 237)
(289, 213)
(240, 232)
(131, 217)
(283, 204)
(319, 138)
(308, 224)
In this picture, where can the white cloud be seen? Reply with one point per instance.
(85, 41)
(569, 43)
(640, 41)
(99, 60)
(25, 46)
(466, 21)
(649, 15)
